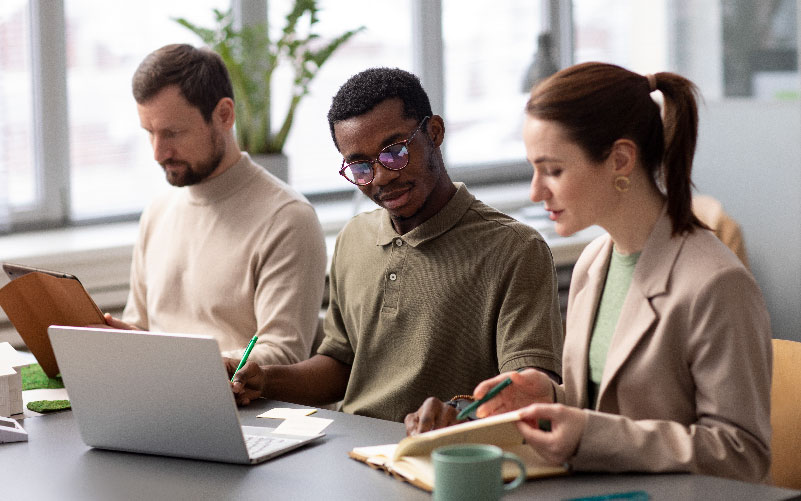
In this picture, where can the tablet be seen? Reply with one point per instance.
(17, 270)
(35, 299)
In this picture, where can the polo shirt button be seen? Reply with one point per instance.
(398, 242)
(393, 276)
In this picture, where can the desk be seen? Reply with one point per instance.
(55, 464)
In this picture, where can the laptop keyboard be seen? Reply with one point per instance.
(259, 445)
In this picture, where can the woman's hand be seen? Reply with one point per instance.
(562, 440)
(528, 387)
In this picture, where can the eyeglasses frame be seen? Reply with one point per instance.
(372, 162)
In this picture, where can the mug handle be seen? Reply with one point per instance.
(521, 477)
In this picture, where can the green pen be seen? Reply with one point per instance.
(245, 356)
(490, 394)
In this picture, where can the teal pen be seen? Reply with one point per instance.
(490, 394)
(631, 495)
(245, 356)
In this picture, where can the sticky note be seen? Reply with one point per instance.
(303, 425)
(286, 413)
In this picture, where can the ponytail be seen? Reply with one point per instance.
(681, 133)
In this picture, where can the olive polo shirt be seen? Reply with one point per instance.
(469, 293)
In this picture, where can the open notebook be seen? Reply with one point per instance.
(410, 459)
(165, 394)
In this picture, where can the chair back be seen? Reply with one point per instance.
(785, 414)
(710, 211)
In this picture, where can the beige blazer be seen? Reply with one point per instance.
(686, 386)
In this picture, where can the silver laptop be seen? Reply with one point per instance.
(165, 394)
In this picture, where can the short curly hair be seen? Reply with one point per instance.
(365, 90)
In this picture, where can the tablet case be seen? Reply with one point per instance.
(35, 301)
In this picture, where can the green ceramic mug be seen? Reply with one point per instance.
(471, 472)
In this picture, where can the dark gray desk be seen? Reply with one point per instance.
(55, 464)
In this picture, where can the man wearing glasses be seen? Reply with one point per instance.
(431, 293)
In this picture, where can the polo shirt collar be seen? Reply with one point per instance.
(435, 226)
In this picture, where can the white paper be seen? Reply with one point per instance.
(9, 357)
(303, 425)
(44, 394)
(286, 413)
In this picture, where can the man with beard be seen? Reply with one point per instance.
(232, 251)
(430, 292)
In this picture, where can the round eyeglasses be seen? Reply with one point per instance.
(393, 157)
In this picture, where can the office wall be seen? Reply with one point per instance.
(749, 157)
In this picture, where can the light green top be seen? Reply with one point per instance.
(618, 280)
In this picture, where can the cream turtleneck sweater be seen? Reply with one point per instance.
(236, 255)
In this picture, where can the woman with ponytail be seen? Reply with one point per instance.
(667, 354)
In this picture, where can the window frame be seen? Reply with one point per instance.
(50, 144)
(52, 207)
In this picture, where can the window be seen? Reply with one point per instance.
(314, 160)
(112, 170)
(17, 175)
(760, 50)
(486, 61)
(71, 149)
(730, 48)
(104, 168)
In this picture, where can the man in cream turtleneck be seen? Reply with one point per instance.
(232, 251)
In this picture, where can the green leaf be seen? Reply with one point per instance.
(44, 406)
(251, 57)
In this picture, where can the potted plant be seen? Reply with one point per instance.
(251, 56)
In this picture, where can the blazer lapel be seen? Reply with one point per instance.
(583, 305)
(637, 316)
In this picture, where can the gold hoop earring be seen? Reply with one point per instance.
(622, 184)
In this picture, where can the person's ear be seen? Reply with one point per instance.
(623, 157)
(224, 112)
(435, 130)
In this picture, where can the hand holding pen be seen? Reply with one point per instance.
(527, 387)
(490, 394)
(245, 356)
